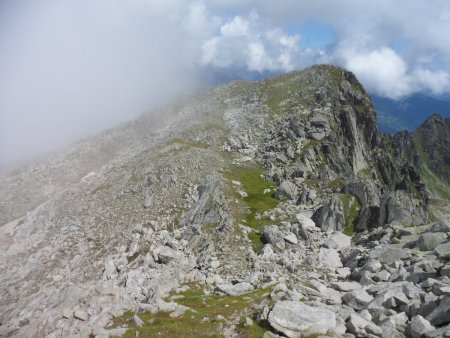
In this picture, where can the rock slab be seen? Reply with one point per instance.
(296, 319)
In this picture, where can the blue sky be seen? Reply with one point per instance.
(71, 68)
(314, 35)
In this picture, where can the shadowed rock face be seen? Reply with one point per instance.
(432, 138)
(326, 135)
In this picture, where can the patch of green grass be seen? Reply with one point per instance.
(256, 201)
(201, 320)
(255, 238)
(256, 330)
(285, 92)
(352, 206)
(189, 143)
(436, 186)
(102, 187)
(336, 184)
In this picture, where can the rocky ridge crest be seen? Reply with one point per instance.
(279, 197)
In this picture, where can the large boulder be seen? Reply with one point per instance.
(295, 319)
(330, 258)
(441, 314)
(443, 250)
(357, 299)
(430, 240)
(235, 289)
(338, 241)
(305, 221)
(399, 207)
(211, 206)
(362, 327)
(273, 236)
(286, 190)
(387, 254)
(419, 326)
(166, 254)
(330, 216)
(346, 286)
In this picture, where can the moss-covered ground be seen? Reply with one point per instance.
(352, 206)
(189, 143)
(202, 318)
(256, 201)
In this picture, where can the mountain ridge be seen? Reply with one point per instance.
(272, 192)
(408, 113)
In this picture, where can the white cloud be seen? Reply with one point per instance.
(381, 70)
(251, 43)
(437, 81)
(385, 72)
(257, 58)
(236, 28)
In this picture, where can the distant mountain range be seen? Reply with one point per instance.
(408, 113)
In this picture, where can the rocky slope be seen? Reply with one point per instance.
(271, 208)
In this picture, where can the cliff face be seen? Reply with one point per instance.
(283, 186)
(433, 145)
(323, 137)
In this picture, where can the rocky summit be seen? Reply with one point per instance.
(259, 209)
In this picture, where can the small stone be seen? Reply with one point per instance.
(344, 272)
(81, 315)
(290, 238)
(269, 334)
(366, 314)
(346, 286)
(215, 264)
(67, 313)
(411, 291)
(138, 321)
(381, 276)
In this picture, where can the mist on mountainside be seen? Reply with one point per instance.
(71, 69)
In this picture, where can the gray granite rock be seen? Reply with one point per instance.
(274, 236)
(357, 299)
(296, 319)
(419, 326)
(430, 240)
(235, 289)
(443, 250)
